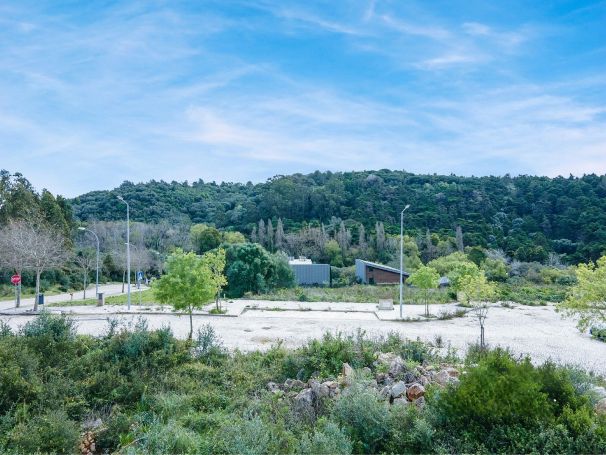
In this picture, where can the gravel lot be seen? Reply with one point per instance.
(537, 331)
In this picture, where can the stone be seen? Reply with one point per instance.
(398, 389)
(347, 374)
(442, 377)
(380, 377)
(333, 388)
(409, 377)
(273, 387)
(320, 390)
(423, 380)
(385, 392)
(452, 372)
(294, 384)
(385, 358)
(396, 367)
(367, 371)
(304, 402)
(415, 391)
(420, 402)
(600, 407)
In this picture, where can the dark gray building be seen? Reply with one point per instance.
(309, 274)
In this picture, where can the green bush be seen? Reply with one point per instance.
(326, 439)
(363, 415)
(52, 432)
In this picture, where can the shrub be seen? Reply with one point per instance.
(409, 431)
(19, 381)
(327, 439)
(52, 432)
(245, 437)
(208, 345)
(162, 438)
(363, 414)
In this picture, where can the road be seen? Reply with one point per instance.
(27, 303)
(537, 331)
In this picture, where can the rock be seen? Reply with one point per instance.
(380, 377)
(294, 384)
(320, 390)
(304, 402)
(442, 378)
(409, 377)
(385, 358)
(347, 374)
(367, 371)
(333, 388)
(398, 389)
(273, 387)
(415, 391)
(600, 407)
(423, 380)
(420, 402)
(385, 392)
(452, 372)
(396, 367)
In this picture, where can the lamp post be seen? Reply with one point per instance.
(97, 271)
(402, 254)
(127, 248)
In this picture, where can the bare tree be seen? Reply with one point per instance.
(12, 245)
(279, 243)
(85, 260)
(40, 247)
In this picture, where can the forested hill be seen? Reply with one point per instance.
(565, 215)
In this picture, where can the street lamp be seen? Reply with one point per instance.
(120, 198)
(97, 273)
(402, 254)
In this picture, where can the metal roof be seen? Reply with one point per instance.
(382, 267)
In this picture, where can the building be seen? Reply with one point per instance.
(372, 273)
(310, 274)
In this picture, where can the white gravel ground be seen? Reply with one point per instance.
(537, 331)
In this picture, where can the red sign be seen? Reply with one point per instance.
(16, 279)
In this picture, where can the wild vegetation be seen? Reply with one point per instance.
(142, 391)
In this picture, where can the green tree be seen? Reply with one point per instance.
(425, 278)
(476, 291)
(333, 252)
(495, 269)
(204, 238)
(191, 281)
(587, 299)
(454, 266)
(247, 269)
(233, 237)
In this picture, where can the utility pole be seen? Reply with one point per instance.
(402, 254)
(127, 247)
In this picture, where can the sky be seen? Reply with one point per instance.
(95, 93)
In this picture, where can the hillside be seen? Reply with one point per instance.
(565, 215)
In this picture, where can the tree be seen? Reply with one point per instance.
(233, 237)
(425, 278)
(454, 266)
(270, 235)
(459, 239)
(587, 299)
(85, 260)
(190, 281)
(477, 290)
(37, 247)
(279, 243)
(204, 238)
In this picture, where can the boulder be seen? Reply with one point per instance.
(380, 377)
(347, 374)
(294, 384)
(420, 402)
(304, 402)
(320, 390)
(442, 377)
(333, 388)
(367, 371)
(452, 372)
(415, 391)
(409, 377)
(600, 407)
(396, 367)
(423, 380)
(398, 389)
(273, 387)
(385, 358)
(385, 392)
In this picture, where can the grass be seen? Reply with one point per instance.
(355, 294)
(147, 297)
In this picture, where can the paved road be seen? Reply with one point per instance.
(537, 331)
(108, 289)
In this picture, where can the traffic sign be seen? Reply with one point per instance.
(16, 279)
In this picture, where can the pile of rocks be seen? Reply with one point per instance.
(87, 443)
(395, 381)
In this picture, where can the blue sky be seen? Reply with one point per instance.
(94, 93)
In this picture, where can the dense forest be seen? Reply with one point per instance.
(527, 217)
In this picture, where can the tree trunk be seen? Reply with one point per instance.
(84, 293)
(123, 280)
(191, 325)
(482, 336)
(37, 295)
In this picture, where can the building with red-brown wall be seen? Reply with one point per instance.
(373, 273)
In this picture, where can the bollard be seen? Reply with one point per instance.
(100, 299)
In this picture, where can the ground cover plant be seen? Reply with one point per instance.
(135, 390)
